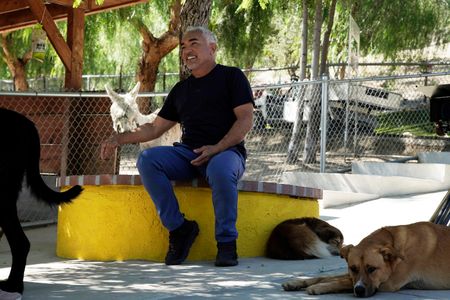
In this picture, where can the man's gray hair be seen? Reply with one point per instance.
(210, 37)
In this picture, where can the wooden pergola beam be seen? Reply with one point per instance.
(43, 16)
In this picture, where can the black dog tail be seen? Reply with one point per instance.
(34, 180)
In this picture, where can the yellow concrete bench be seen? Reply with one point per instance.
(115, 219)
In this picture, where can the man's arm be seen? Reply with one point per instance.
(143, 133)
(236, 134)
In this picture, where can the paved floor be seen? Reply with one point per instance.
(49, 277)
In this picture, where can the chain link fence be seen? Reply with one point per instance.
(381, 119)
(257, 76)
(312, 126)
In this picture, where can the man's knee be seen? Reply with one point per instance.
(220, 175)
(146, 160)
(226, 169)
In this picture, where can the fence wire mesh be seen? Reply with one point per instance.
(384, 118)
(257, 76)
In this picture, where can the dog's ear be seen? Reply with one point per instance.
(390, 254)
(112, 95)
(135, 91)
(344, 251)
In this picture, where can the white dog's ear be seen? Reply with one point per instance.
(112, 95)
(135, 91)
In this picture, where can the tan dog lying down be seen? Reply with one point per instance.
(415, 256)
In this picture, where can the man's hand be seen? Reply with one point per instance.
(206, 152)
(108, 147)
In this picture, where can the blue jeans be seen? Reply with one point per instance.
(159, 165)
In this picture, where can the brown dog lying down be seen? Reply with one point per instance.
(304, 238)
(414, 256)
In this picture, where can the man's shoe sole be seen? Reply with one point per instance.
(226, 263)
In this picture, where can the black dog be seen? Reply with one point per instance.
(304, 238)
(19, 160)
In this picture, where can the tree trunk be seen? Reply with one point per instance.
(20, 76)
(316, 40)
(304, 53)
(313, 125)
(154, 50)
(326, 39)
(294, 143)
(16, 66)
(313, 129)
(193, 13)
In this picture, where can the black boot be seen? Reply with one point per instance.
(180, 242)
(226, 254)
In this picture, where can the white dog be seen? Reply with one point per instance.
(125, 116)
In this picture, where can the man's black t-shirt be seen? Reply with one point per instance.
(204, 106)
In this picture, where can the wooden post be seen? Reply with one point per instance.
(75, 41)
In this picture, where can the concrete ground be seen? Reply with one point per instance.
(50, 277)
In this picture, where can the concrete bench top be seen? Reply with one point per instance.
(243, 185)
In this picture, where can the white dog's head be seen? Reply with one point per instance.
(124, 109)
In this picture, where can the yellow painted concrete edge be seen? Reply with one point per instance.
(119, 222)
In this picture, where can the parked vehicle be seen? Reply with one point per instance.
(364, 102)
(276, 109)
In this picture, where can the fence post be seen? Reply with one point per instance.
(88, 83)
(323, 123)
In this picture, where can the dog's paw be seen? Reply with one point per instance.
(10, 296)
(7, 286)
(294, 285)
(314, 290)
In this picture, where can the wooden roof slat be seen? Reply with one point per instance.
(16, 14)
(24, 18)
(12, 5)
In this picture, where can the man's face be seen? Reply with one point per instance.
(197, 54)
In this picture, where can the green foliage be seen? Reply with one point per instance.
(77, 3)
(339, 37)
(247, 4)
(400, 122)
(401, 25)
(114, 46)
(21, 44)
(110, 46)
(241, 30)
(282, 46)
